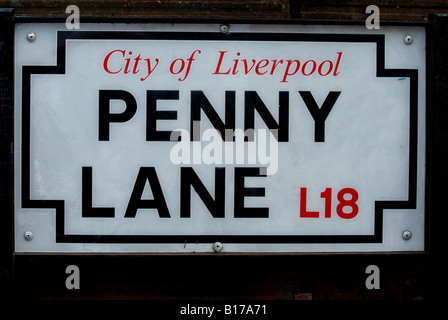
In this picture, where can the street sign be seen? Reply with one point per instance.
(182, 138)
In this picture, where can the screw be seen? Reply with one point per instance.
(406, 235)
(224, 28)
(217, 246)
(408, 40)
(31, 37)
(28, 235)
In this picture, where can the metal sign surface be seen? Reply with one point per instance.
(179, 138)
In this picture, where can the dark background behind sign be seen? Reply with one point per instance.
(401, 10)
(317, 277)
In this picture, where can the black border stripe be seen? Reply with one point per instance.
(59, 205)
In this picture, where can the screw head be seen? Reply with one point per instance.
(31, 37)
(224, 28)
(217, 246)
(408, 40)
(28, 235)
(406, 235)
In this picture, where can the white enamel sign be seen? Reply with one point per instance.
(178, 138)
